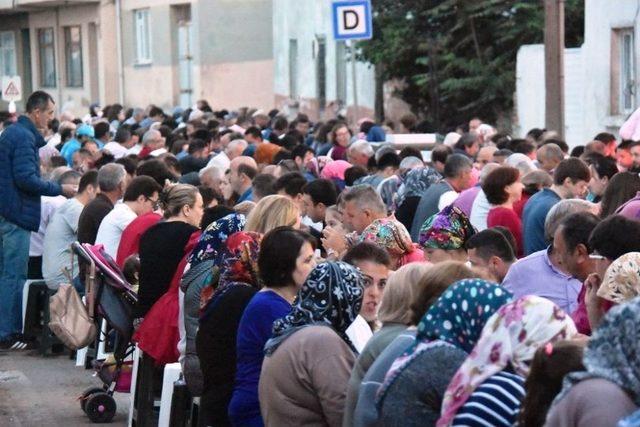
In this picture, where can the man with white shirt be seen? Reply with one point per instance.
(48, 207)
(121, 143)
(63, 231)
(223, 159)
(141, 197)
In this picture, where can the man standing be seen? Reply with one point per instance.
(20, 191)
(242, 171)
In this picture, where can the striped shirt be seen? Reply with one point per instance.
(495, 403)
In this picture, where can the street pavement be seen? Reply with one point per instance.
(42, 391)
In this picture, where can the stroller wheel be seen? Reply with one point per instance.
(85, 395)
(100, 408)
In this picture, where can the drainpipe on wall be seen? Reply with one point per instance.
(119, 52)
(56, 41)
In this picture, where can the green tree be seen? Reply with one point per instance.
(457, 58)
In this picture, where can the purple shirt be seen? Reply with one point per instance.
(631, 209)
(465, 200)
(535, 275)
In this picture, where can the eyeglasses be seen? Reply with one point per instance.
(155, 203)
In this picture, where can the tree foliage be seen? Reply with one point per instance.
(457, 58)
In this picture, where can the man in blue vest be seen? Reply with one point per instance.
(20, 190)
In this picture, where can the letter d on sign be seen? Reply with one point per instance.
(350, 19)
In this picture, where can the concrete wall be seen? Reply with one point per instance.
(305, 21)
(530, 89)
(232, 53)
(588, 75)
(16, 23)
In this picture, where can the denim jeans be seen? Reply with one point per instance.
(14, 261)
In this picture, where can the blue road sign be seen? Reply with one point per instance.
(352, 19)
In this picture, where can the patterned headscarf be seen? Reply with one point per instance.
(331, 296)
(211, 243)
(239, 268)
(416, 182)
(510, 337)
(456, 319)
(612, 352)
(622, 280)
(449, 229)
(391, 235)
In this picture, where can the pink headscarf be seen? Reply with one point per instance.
(335, 169)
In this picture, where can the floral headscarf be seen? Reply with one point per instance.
(416, 182)
(612, 352)
(239, 268)
(391, 235)
(449, 229)
(456, 319)
(622, 280)
(331, 296)
(211, 243)
(510, 337)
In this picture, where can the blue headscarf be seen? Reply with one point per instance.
(211, 243)
(331, 296)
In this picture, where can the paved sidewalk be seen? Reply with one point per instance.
(39, 391)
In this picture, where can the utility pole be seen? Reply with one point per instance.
(554, 65)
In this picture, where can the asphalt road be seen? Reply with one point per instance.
(39, 391)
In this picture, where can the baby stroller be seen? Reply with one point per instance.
(114, 300)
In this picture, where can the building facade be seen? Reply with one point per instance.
(601, 85)
(136, 52)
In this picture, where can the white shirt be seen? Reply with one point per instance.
(48, 206)
(359, 333)
(61, 233)
(480, 211)
(136, 149)
(221, 161)
(117, 149)
(446, 199)
(112, 226)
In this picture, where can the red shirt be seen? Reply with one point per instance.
(130, 240)
(518, 206)
(507, 218)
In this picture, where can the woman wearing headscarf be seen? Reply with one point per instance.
(609, 389)
(394, 237)
(416, 182)
(434, 282)
(414, 386)
(201, 271)
(286, 259)
(444, 235)
(489, 386)
(395, 315)
(221, 310)
(309, 358)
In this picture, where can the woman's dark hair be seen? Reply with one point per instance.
(352, 174)
(156, 169)
(213, 214)
(279, 251)
(495, 183)
(549, 366)
(621, 188)
(603, 165)
(113, 112)
(336, 127)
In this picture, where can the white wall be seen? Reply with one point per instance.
(304, 21)
(588, 109)
(530, 93)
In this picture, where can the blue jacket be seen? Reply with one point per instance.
(20, 183)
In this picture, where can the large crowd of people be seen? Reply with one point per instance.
(309, 273)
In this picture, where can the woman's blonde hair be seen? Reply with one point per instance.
(433, 284)
(175, 197)
(271, 212)
(400, 291)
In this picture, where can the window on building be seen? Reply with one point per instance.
(143, 36)
(321, 73)
(623, 71)
(73, 55)
(293, 68)
(47, 57)
(7, 53)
